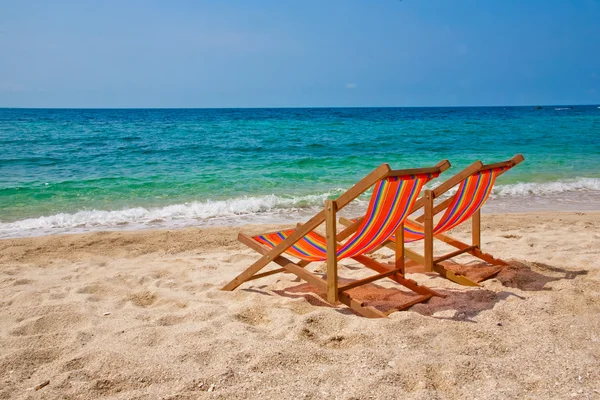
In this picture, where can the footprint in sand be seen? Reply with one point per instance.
(51, 323)
(170, 320)
(20, 282)
(24, 361)
(197, 287)
(253, 316)
(10, 272)
(196, 356)
(238, 257)
(57, 296)
(74, 364)
(143, 299)
(95, 288)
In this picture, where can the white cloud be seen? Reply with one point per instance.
(351, 85)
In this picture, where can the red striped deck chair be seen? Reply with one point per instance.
(394, 195)
(475, 184)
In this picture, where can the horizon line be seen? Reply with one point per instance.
(289, 107)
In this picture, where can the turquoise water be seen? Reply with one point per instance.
(69, 170)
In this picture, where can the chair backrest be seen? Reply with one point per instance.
(469, 198)
(390, 204)
(476, 183)
(391, 201)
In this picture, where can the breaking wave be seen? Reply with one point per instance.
(547, 188)
(261, 209)
(199, 212)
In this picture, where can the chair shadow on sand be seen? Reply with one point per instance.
(466, 304)
(461, 304)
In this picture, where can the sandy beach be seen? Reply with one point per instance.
(139, 315)
(139, 139)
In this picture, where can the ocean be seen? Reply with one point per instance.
(78, 170)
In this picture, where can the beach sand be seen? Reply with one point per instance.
(139, 315)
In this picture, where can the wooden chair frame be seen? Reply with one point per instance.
(331, 286)
(428, 260)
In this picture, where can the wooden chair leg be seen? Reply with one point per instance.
(476, 229)
(460, 279)
(428, 230)
(331, 239)
(359, 307)
(399, 249)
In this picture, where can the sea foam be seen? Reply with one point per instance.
(202, 212)
(546, 188)
(260, 209)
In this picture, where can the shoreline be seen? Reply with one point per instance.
(140, 314)
(224, 237)
(243, 220)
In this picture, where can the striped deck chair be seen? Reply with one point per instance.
(394, 195)
(475, 185)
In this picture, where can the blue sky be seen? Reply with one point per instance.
(298, 53)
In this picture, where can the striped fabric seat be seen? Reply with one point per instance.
(390, 204)
(470, 197)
